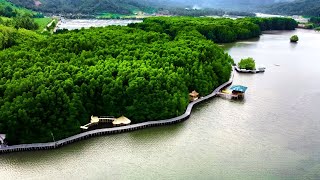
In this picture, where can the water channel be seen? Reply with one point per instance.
(273, 134)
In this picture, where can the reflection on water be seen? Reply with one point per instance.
(274, 134)
(248, 43)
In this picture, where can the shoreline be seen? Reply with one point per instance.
(116, 130)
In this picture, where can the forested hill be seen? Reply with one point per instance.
(84, 6)
(217, 4)
(128, 6)
(8, 9)
(299, 7)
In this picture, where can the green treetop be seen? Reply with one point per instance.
(248, 64)
(294, 38)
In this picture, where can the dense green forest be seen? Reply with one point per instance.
(314, 22)
(53, 84)
(206, 12)
(9, 36)
(7, 11)
(24, 21)
(299, 7)
(219, 30)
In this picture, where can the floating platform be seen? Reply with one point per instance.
(258, 70)
(235, 92)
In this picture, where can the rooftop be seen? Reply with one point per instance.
(239, 88)
(194, 94)
(121, 121)
(94, 119)
(2, 137)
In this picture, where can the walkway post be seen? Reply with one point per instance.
(53, 139)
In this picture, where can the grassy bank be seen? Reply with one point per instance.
(42, 22)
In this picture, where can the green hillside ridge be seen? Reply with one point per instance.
(85, 6)
(19, 17)
(7, 9)
(298, 7)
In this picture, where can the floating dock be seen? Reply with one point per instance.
(258, 70)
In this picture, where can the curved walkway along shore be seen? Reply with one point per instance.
(107, 131)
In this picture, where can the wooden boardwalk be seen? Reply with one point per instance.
(116, 130)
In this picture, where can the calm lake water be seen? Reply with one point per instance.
(273, 134)
(72, 24)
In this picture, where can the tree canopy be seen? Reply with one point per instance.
(298, 7)
(294, 38)
(10, 36)
(53, 84)
(21, 21)
(248, 64)
(219, 30)
(56, 84)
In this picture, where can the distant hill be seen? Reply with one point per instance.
(299, 7)
(289, 7)
(219, 4)
(83, 6)
(8, 9)
(128, 6)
